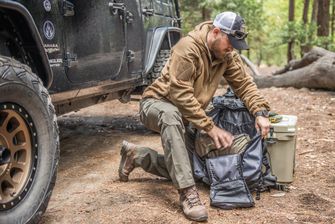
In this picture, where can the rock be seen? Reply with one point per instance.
(279, 194)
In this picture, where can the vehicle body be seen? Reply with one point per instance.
(58, 56)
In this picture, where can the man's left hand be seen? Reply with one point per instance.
(263, 125)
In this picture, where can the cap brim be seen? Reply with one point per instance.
(238, 44)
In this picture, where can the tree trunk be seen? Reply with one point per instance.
(314, 11)
(290, 53)
(318, 73)
(314, 54)
(206, 13)
(323, 18)
(305, 12)
(260, 57)
(305, 21)
(332, 20)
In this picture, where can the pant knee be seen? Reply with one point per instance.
(171, 118)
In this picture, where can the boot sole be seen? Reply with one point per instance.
(200, 219)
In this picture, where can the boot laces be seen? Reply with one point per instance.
(192, 197)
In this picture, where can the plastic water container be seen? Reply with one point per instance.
(281, 142)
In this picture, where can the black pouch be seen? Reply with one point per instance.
(252, 159)
(199, 169)
(256, 167)
(268, 180)
(228, 189)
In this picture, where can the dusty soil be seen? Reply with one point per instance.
(88, 189)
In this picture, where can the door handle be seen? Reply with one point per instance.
(67, 8)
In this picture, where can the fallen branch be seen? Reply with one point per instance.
(308, 58)
(251, 65)
(318, 75)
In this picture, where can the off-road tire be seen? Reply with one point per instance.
(160, 62)
(23, 95)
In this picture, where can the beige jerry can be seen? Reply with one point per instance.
(281, 143)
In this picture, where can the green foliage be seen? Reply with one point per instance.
(267, 24)
(190, 13)
(302, 34)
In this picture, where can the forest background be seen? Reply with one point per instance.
(279, 30)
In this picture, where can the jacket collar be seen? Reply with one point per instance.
(200, 35)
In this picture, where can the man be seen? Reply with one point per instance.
(179, 96)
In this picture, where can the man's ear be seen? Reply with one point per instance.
(216, 31)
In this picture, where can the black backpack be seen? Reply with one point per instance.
(233, 177)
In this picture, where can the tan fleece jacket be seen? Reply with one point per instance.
(191, 77)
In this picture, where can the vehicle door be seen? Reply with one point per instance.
(135, 37)
(159, 13)
(95, 40)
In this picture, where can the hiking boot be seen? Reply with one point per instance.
(127, 160)
(191, 204)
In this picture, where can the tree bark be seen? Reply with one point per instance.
(206, 13)
(323, 18)
(332, 20)
(305, 21)
(305, 12)
(314, 11)
(290, 53)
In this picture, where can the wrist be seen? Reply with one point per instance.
(263, 113)
(209, 127)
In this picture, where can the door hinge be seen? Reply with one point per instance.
(70, 60)
(147, 12)
(130, 56)
(129, 17)
(116, 8)
(121, 10)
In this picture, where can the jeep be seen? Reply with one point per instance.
(58, 56)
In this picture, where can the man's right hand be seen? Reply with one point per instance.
(221, 137)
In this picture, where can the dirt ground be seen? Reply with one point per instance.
(88, 189)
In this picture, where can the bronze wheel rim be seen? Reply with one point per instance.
(18, 139)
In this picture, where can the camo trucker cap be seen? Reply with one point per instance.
(233, 25)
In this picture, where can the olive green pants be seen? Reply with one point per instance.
(163, 117)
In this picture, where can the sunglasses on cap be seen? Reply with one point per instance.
(240, 35)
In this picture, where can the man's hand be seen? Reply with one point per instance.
(221, 137)
(263, 124)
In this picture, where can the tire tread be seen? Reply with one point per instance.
(160, 62)
(23, 74)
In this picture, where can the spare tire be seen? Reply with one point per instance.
(161, 59)
(29, 144)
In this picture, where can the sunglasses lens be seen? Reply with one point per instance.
(240, 35)
(236, 33)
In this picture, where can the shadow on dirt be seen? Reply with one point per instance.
(313, 202)
(87, 140)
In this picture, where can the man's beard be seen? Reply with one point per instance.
(216, 52)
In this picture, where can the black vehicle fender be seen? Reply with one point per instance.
(155, 39)
(20, 12)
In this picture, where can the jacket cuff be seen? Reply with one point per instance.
(259, 109)
(208, 127)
